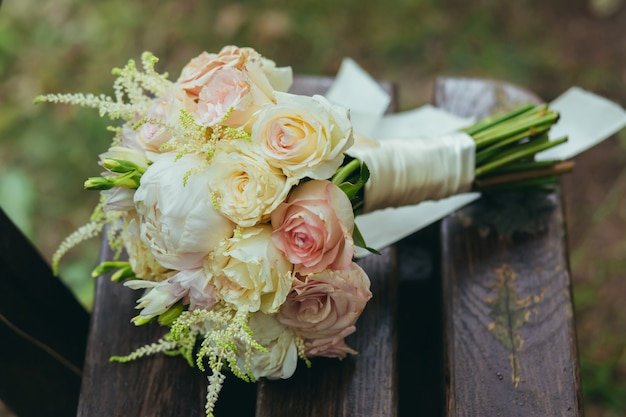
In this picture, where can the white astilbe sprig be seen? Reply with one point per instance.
(220, 330)
(201, 140)
(133, 91)
(161, 346)
(140, 87)
(93, 228)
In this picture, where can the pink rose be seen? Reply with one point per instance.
(314, 227)
(323, 309)
(164, 113)
(237, 78)
(200, 69)
(227, 89)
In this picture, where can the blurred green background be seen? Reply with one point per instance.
(46, 151)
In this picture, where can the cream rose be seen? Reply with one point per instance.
(304, 136)
(314, 227)
(177, 220)
(323, 308)
(246, 188)
(281, 359)
(249, 272)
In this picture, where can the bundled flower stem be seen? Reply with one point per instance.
(506, 145)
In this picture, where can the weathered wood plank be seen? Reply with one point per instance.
(510, 343)
(43, 332)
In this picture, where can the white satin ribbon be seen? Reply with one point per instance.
(405, 172)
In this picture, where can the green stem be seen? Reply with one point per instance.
(525, 166)
(345, 171)
(524, 184)
(489, 122)
(488, 152)
(523, 151)
(531, 126)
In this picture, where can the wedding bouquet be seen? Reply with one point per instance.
(235, 202)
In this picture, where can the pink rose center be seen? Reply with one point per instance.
(305, 238)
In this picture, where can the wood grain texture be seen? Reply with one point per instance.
(43, 332)
(510, 342)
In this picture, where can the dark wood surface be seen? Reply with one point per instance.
(43, 332)
(510, 342)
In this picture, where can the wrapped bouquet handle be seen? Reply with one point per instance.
(496, 152)
(408, 171)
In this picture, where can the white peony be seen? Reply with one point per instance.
(177, 219)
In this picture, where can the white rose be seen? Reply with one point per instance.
(249, 272)
(304, 136)
(246, 187)
(281, 358)
(177, 220)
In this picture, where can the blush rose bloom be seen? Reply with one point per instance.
(237, 79)
(304, 136)
(314, 227)
(164, 114)
(177, 220)
(281, 359)
(246, 187)
(249, 273)
(323, 309)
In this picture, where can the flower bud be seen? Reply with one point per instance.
(171, 314)
(108, 266)
(120, 166)
(98, 183)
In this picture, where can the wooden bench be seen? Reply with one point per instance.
(462, 323)
(43, 332)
